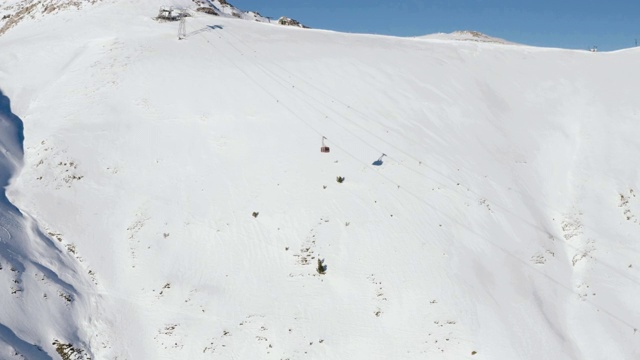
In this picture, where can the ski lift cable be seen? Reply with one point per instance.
(539, 272)
(275, 77)
(419, 198)
(279, 80)
(394, 182)
(363, 128)
(361, 114)
(368, 144)
(465, 194)
(345, 151)
(495, 204)
(313, 128)
(287, 85)
(364, 117)
(258, 84)
(455, 221)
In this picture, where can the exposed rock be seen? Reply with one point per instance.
(290, 22)
(207, 10)
(31, 8)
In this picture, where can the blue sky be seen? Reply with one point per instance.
(608, 24)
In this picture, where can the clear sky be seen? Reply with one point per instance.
(607, 24)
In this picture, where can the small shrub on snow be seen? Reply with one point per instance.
(322, 268)
(68, 352)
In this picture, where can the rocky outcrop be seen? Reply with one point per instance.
(207, 10)
(31, 8)
(290, 22)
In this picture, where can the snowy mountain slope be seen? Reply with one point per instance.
(47, 300)
(502, 223)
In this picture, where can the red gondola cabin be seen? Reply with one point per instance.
(324, 148)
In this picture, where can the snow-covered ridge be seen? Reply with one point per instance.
(222, 7)
(13, 12)
(466, 35)
(42, 274)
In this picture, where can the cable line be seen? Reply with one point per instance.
(412, 194)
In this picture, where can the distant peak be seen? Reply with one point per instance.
(471, 33)
(290, 22)
(466, 35)
(224, 8)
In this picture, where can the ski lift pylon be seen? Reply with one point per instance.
(324, 148)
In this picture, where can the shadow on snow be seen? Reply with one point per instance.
(11, 147)
(25, 348)
(206, 28)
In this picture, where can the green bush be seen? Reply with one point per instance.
(322, 268)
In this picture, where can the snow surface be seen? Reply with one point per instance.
(502, 224)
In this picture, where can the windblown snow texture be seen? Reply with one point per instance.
(42, 289)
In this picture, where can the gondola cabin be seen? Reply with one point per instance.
(324, 148)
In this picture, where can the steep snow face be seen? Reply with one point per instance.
(47, 299)
(187, 177)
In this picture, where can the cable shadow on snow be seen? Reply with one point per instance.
(204, 29)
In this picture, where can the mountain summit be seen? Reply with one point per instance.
(466, 35)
